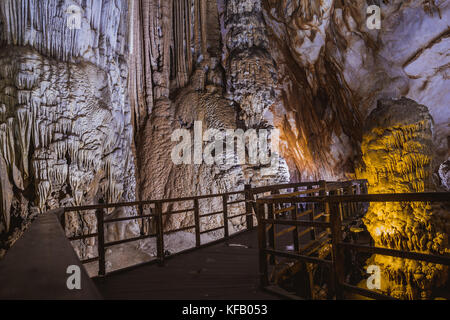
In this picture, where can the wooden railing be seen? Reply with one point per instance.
(154, 222)
(151, 214)
(334, 205)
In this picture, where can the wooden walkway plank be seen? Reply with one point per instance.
(35, 267)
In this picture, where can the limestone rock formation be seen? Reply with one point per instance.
(92, 86)
(251, 71)
(65, 122)
(332, 69)
(194, 78)
(397, 154)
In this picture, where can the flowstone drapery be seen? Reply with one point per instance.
(65, 125)
(397, 155)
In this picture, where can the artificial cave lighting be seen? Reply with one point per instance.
(397, 158)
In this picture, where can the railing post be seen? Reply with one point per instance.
(101, 242)
(62, 219)
(358, 188)
(153, 221)
(263, 272)
(294, 214)
(337, 257)
(323, 193)
(311, 215)
(248, 205)
(364, 188)
(271, 215)
(141, 213)
(351, 205)
(160, 233)
(197, 223)
(225, 215)
(342, 213)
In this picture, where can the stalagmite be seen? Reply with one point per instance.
(397, 154)
(251, 69)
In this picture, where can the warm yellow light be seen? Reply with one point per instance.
(397, 158)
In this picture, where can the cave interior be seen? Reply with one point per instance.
(115, 101)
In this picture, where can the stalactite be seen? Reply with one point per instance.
(63, 105)
(194, 37)
(6, 195)
(24, 128)
(197, 23)
(180, 44)
(188, 26)
(43, 191)
(203, 33)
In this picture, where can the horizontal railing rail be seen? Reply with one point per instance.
(381, 197)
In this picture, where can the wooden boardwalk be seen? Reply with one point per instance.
(35, 267)
(220, 271)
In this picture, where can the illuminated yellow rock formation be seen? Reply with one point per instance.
(397, 155)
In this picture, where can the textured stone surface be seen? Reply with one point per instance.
(397, 157)
(66, 113)
(88, 114)
(65, 123)
(332, 70)
(251, 72)
(195, 78)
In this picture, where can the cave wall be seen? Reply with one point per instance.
(333, 69)
(251, 71)
(65, 120)
(87, 114)
(333, 73)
